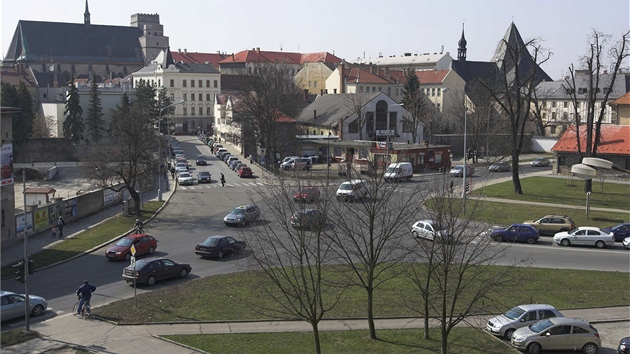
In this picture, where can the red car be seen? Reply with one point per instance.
(306, 194)
(144, 244)
(245, 172)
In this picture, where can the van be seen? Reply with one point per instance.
(301, 163)
(401, 171)
(352, 190)
(285, 162)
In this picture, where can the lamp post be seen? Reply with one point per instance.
(160, 147)
(589, 168)
(328, 159)
(465, 171)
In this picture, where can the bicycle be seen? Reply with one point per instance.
(86, 310)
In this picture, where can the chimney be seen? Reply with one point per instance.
(314, 114)
(321, 92)
(605, 72)
(179, 50)
(341, 67)
(258, 50)
(232, 56)
(305, 94)
(185, 50)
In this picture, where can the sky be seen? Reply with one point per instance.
(350, 29)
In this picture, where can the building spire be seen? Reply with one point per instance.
(86, 14)
(461, 51)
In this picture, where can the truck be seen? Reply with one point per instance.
(400, 171)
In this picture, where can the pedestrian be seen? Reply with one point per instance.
(451, 186)
(172, 172)
(222, 180)
(54, 232)
(251, 159)
(60, 225)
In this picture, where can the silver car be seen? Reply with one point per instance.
(557, 333)
(241, 215)
(13, 305)
(520, 316)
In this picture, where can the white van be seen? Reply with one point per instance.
(352, 190)
(401, 171)
(284, 164)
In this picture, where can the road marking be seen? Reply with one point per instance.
(218, 185)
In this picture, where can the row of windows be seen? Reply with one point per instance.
(198, 96)
(192, 83)
(193, 111)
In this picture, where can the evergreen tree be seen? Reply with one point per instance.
(163, 101)
(22, 123)
(146, 100)
(95, 122)
(73, 124)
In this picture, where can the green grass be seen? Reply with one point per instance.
(16, 336)
(86, 240)
(461, 340)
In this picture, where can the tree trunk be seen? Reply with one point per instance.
(370, 312)
(318, 348)
(516, 181)
(426, 316)
(136, 201)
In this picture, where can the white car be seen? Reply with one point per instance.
(185, 178)
(626, 242)
(505, 324)
(181, 167)
(585, 235)
(427, 229)
(458, 171)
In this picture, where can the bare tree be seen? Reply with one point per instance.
(294, 258)
(513, 93)
(355, 103)
(451, 272)
(42, 126)
(593, 86)
(371, 234)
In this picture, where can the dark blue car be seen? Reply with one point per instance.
(516, 233)
(620, 231)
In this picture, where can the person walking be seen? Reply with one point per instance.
(60, 225)
(84, 292)
(172, 172)
(222, 180)
(451, 189)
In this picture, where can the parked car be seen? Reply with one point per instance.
(185, 178)
(516, 233)
(180, 167)
(204, 177)
(308, 219)
(306, 194)
(552, 224)
(430, 230)
(229, 160)
(12, 305)
(245, 172)
(238, 165)
(219, 246)
(241, 215)
(624, 346)
(220, 151)
(458, 171)
(585, 235)
(620, 231)
(540, 162)
(233, 163)
(557, 333)
(121, 250)
(626, 242)
(181, 160)
(180, 154)
(520, 316)
(286, 160)
(201, 160)
(150, 270)
(501, 166)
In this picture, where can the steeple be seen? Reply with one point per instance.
(461, 51)
(86, 14)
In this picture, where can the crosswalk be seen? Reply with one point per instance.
(218, 185)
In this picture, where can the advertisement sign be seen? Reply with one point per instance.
(41, 218)
(109, 196)
(70, 208)
(6, 162)
(54, 212)
(19, 224)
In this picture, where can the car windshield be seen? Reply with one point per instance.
(392, 170)
(204, 173)
(124, 242)
(345, 187)
(514, 313)
(211, 241)
(184, 174)
(541, 325)
(238, 211)
(181, 165)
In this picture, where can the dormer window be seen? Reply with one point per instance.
(582, 90)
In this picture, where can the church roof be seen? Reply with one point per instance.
(75, 42)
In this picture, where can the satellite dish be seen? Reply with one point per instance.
(52, 68)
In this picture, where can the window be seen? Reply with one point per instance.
(216, 83)
(360, 89)
(159, 82)
(192, 96)
(200, 97)
(309, 84)
(184, 83)
(565, 115)
(438, 92)
(208, 110)
(553, 130)
(192, 83)
(207, 83)
(185, 111)
(553, 116)
(192, 111)
(353, 127)
(373, 89)
(582, 90)
(208, 97)
(172, 83)
(433, 91)
(314, 83)
(553, 104)
(185, 96)
(389, 91)
(200, 83)
(565, 104)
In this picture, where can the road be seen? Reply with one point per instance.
(196, 212)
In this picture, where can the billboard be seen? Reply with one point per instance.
(6, 162)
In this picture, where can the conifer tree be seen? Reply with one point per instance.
(73, 124)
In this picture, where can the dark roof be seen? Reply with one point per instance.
(471, 71)
(73, 42)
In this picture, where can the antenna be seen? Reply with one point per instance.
(280, 46)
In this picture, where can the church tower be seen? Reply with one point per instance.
(153, 40)
(461, 50)
(86, 14)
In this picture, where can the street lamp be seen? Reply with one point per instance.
(160, 146)
(465, 171)
(328, 159)
(589, 168)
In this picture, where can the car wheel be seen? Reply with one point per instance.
(498, 238)
(151, 280)
(508, 333)
(183, 273)
(534, 348)
(565, 242)
(220, 255)
(531, 240)
(128, 256)
(37, 310)
(243, 223)
(151, 250)
(589, 348)
(600, 244)
(415, 234)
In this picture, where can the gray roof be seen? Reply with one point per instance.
(327, 110)
(75, 42)
(555, 90)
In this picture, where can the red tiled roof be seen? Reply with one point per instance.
(198, 58)
(431, 76)
(39, 190)
(615, 140)
(625, 99)
(323, 57)
(259, 56)
(362, 76)
(283, 118)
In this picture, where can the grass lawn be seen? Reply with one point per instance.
(86, 240)
(16, 336)
(461, 340)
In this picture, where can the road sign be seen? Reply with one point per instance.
(133, 250)
(133, 262)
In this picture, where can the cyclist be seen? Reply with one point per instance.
(84, 292)
(139, 226)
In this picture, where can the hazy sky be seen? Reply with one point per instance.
(349, 28)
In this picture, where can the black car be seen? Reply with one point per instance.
(204, 177)
(624, 346)
(201, 160)
(219, 246)
(620, 231)
(308, 219)
(150, 270)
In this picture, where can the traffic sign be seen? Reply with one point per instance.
(133, 250)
